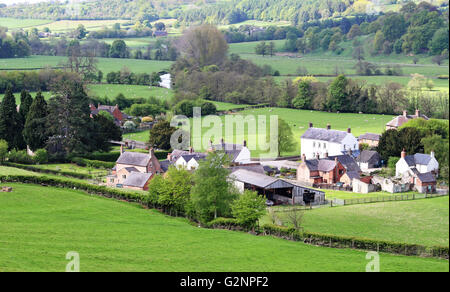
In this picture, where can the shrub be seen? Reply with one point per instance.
(3, 150)
(20, 157)
(40, 156)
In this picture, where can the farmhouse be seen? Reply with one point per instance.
(368, 159)
(318, 142)
(423, 163)
(238, 154)
(317, 171)
(113, 110)
(130, 167)
(370, 139)
(275, 189)
(400, 120)
(189, 161)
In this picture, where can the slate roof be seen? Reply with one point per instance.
(332, 136)
(131, 169)
(196, 157)
(258, 168)
(370, 136)
(134, 158)
(353, 174)
(137, 179)
(400, 120)
(324, 165)
(165, 165)
(426, 177)
(228, 146)
(418, 158)
(367, 155)
(347, 161)
(253, 178)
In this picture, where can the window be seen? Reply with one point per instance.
(111, 180)
(124, 176)
(314, 144)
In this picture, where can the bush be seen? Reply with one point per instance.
(3, 150)
(20, 157)
(92, 163)
(40, 156)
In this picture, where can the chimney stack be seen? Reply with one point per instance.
(317, 156)
(245, 143)
(403, 153)
(303, 157)
(405, 113)
(121, 149)
(310, 124)
(417, 113)
(222, 141)
(150, 151)
(328, 127)
(432, 154)
(191, 150)
(349, 130)
(326, 154)
(169, 156)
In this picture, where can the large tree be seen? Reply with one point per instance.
(203, 45)
(212, 193)
(35, 130)
(69, 122)
(286, 141)
(160, 135)
(9, 120)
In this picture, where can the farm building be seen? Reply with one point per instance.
(398, 121)
(318, 142)
(276, 189)
(370, 139)
(368, 159)
(112, 110)
(238, 154)
(421, 162)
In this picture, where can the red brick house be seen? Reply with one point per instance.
(113, 110)
(318, 171)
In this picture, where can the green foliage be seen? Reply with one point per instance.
(160, 135)
(212, 193)
(118, 49)
(337, 94)
(174, 194)
(10, 121)
(304, 95)
(3, 150)
(35, 130)
(20, 156)
(40, 156)
(286, 141)
(249, 208)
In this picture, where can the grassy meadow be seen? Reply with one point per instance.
(15, 23)
(424, 221)
(39, 225)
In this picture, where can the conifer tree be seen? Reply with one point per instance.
(35, 130)
(9, 119)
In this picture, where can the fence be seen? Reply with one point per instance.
(402, 197)
(333, 187)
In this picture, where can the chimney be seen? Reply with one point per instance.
(169, 156)
(317, 156)
(310, 124)
(350, 152)
(405, 113)
(121, 149)
(151, 152)
(349, 130)
(432, 154)
(328, 127)
(417, 113)
(191, 150)
(403, 153)
(303, 157)
(326, 154)
(222, 141)
(245, 143)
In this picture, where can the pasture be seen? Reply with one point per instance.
(15, 23)
(104, 64)
(129, 91)
(39, 225)
(424, 221)
(69, 25)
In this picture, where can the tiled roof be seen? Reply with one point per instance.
(137, 179)
(400, 120)
(134, 158)
(426, 177)
(418, 158)
(332, 136)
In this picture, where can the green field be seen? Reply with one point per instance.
(298, 121)
(129, 91)
(424, 221)
(142, 136)
(69, 25)
(5, 170)
(104, 64)
(40, 225)
(70, 167)
(15, 23)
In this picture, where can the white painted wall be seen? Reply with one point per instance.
(310, 147)
(244, 156)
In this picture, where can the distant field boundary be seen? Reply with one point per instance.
(402, 197)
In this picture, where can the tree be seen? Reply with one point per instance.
(25, 103)
(286, 141)
(249, 208)
(304, 95)
(68, 121)
(3, 150)
(81, 62)
(270, 48)
(295, 217)
(40, 156)
(203, 45)
(337, 94)
(439, 42)
(35, 130)
(160, 26)
(105, 130)
(389, 145)
(80, 32)
(9, 120)
(160, 135)
(358, 53)
(261, 49)
(378, 41)
(177, 188)
(118, 49)
(354, 31)
(212, 193)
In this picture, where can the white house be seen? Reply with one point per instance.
(326, 142)
(189, 161)
(423, 163)
(239, 154)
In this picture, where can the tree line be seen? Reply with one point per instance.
(62, 125)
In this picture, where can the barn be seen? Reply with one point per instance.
(278, 190)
